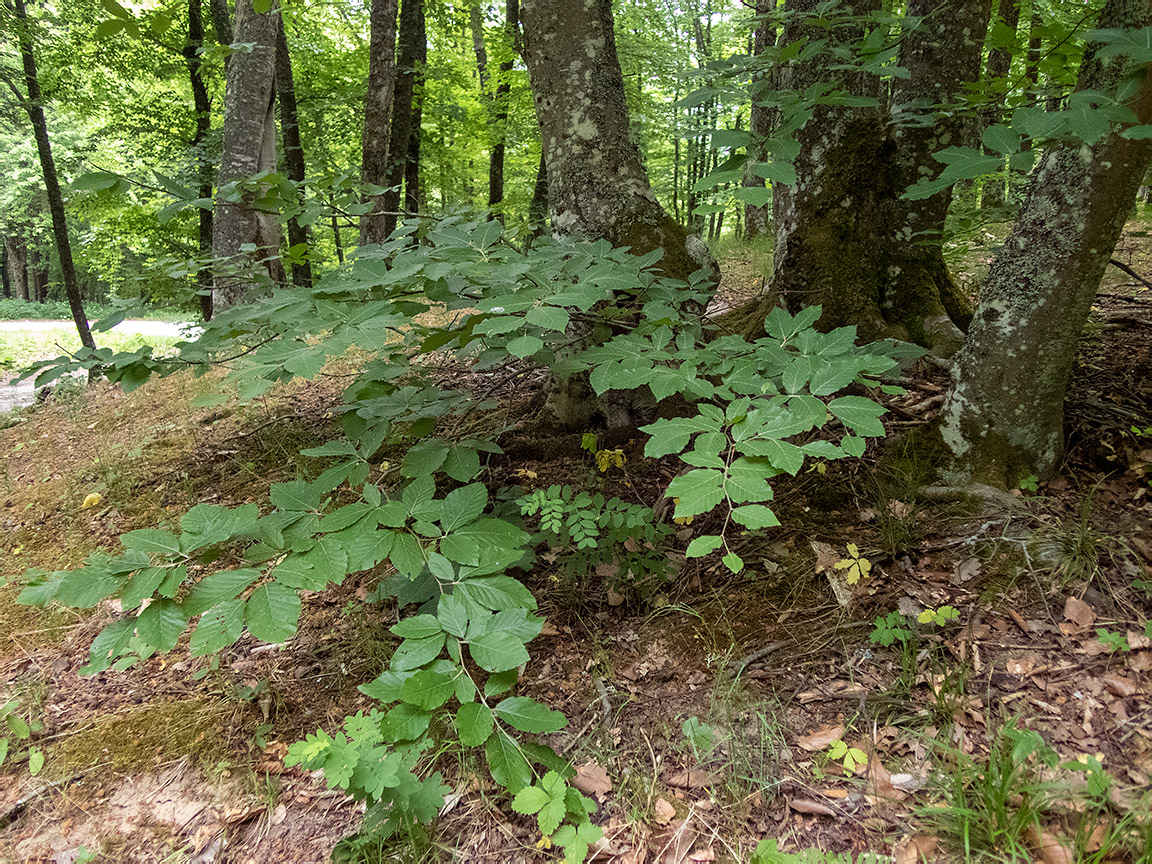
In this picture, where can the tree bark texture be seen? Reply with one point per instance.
(412, 189)
(846, 240)
(249, 148)
(597, 186)
(999, 66)
(411, 14)
(538, 206)
(35, 108)
(202, 105)
(757, 217)
(298, 238)
(1002, 420)
(17, 266)
(378, 113)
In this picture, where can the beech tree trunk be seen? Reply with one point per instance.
(411, 16)
(202, 105)
(249, 148)
(378, 114)
(597, 186)
(1003, 418)
(35, 108)
(17, 266)
(299, 242)
(412, 190)
(846, 240)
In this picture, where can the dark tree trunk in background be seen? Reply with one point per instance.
(221, 20)
(999, 66)
(1003, 418)
(35, 108)
(538, 206)
(597, 186)
(757, 217)
(38, 274)
(17, 252)
(496, 103)
(412, 191)
(378, 114)
(4, 278)
(846, 240)
(411, 15)
(300, 244)
(204, 168)
(249, 148)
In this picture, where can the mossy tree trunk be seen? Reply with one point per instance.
(845, 238)
(597, 186)
(378, 113)
(1003, 417)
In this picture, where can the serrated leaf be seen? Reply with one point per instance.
(548, 317)
(703, 545)
(161, 624)
(418, 627)
(272, 613)
(699, 491)
(414, 653)
(218, 628)
(428, 689)
(405, 723)
(474, 723)
(525, 346)
(755, 516)
(217, 587)
(506, 764)
(528, 715)
(424, 458)
(859, 414)
(463, 505)
(530, 800)
(153, 541)
(496, 651)
(733, 562)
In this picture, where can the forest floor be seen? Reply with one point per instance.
(704, 718)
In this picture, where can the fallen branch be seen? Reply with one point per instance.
(1121, 265)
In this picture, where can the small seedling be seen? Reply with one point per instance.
(701, 737)
(939, 617)
(850, 757)
(889, 629)
(1112, 640)
(857, 566)
(1031, 483)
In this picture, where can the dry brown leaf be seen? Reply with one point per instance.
(1094, 647)
(1048, 847)
(1140, 662)
(820, 739)
(1079, 612)
(591, 779)
(880, 784)
(1138, 641)
(1120, 686)
(692, 778)
(1020, 665)
(826, 556)
(815, 808)
(674, 842)
(703, 855)
(915, 849)
(664, 812)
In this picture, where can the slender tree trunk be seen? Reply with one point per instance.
(4, 268)
(336, 239)
(1003, 418)
(221, 20)
(35, 107)
(17, 266)
(249, 149)
(38, 273)
(378, 114)
(412, 190)
(998, 68)
(538, 207)
(411, 14)
(204, 168)
(299, 242)
(846, 240)
(757, 217)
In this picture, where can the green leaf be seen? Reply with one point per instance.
(1002, 139)
(755, 516)
(672, 435)
(452, 615)
(153, 541)
(218, 628)
(528, 715)
(428, 689)
(703, 545)
(859, 414)
(405, 723)
(463, 505)
(525, 346)
(217, 587)
(496, 651)
(699, 491)
(733, 562)
(161, 624)
(462, 464)
(474, 723)
(295, 495)
(418, 627)
(424, 458)
(272, 613)
(548, 317)
(87, 586)
(507, 765)
(108, 644)
(407, 555)
(530, 800)
(414, 653)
